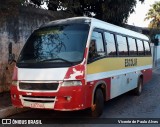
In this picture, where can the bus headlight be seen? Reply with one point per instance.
(14, 83)
(72, 83)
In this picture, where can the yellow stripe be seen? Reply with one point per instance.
(118, 63)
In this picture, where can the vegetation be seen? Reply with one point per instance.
(113, 11)
(154, 15)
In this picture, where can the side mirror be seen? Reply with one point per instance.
(11, 58)
(156, 41)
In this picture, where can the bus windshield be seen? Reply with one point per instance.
(57, 44)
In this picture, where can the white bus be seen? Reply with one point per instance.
(78, 63)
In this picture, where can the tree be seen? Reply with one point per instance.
(8, 8)
(113, 11)
(154, 15)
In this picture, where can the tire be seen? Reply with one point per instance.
(98, 103)
(137, 91)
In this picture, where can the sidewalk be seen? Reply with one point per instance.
(6, 108)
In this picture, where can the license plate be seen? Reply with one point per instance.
(33, 105)
(37, 105)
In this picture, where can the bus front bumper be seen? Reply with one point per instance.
(66, 99)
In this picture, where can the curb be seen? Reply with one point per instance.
(8, 111)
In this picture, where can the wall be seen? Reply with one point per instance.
(14, 31)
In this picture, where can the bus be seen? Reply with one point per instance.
(79, 63)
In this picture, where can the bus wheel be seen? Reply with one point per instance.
(97, 107)
(138, 90)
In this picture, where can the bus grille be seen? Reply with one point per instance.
(40, 99)
(39, 86)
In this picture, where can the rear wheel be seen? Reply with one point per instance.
(97, 107)
(137, 91)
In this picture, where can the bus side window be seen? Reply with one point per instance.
(147, 48)
(140, 47)
(122, 45)
(96, 48)
(110, 42)
(132, 46)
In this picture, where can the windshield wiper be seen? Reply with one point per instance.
(56, 59)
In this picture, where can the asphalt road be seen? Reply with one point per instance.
(147, 105)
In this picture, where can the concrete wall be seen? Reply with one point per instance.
(14, 31)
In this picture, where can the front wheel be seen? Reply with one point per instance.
(97, 108)
(137, 91)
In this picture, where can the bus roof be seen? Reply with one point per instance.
(95, 23)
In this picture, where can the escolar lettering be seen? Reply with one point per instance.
(130, 62)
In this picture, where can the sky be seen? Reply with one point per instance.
(137, 17)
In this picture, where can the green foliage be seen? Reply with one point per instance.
(113, 11)
(154, 15)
